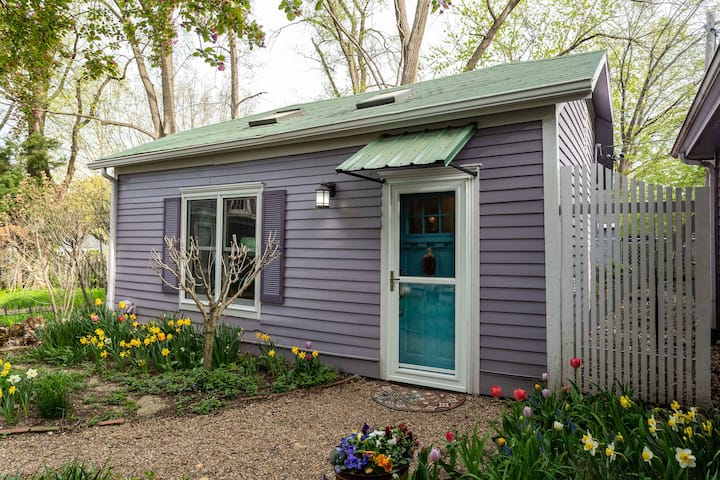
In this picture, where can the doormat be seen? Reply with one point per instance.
(411, 399)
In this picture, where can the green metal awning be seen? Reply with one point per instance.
(419, 148)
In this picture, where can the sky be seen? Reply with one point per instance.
(286, 74)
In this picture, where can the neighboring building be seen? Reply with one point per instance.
(698, 143)
(437, 261)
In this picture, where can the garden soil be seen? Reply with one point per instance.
(284, 437)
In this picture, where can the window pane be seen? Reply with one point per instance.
(202, 215)
(240, 217)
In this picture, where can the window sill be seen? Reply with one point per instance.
(235, 311)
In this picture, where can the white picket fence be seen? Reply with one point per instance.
(636, 282)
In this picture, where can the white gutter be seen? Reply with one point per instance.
(111, 260)
(426, 114)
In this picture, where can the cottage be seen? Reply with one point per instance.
(698, 143)
(436, 261)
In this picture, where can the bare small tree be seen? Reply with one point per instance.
(188, 274)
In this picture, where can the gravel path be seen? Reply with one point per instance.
(288, 437)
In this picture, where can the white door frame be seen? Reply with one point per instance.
(465, 377)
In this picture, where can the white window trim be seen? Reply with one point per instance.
(219, 192)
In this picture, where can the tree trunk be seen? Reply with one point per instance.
(168, 93)
(148, 86)
(210, 325)
(412, 40)
(234, 87)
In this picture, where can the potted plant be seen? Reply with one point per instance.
(378, 454)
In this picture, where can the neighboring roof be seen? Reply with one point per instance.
(508, 86)
(418, 148)
(699, 136)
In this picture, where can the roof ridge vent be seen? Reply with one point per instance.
(278, 116)
(385, 98)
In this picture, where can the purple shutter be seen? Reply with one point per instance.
(273, 221)
(171, 229)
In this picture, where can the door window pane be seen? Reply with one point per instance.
(427, 235)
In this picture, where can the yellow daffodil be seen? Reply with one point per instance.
(675, 405)
(104, 354)
(122, 305)
(685, 457)
(98, 302)
(501, 441)
(165, 352)
(133, 316)
(707, 427)
(619, 437)
(12, 390)
(301, 355)
(161, 337)
(315, 353)
(647, 455)
(688, 432)
(135, 324)
(295, 350)
(672, 422)
(169, 336)
(625, 402)
(171, 323)
(271, 353)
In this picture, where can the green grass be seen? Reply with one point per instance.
(35, 300)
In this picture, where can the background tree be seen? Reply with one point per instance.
(189, 274)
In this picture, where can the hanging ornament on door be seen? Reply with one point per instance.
(429, 262)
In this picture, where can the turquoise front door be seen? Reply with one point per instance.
(426, 281)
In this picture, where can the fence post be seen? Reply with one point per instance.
(703, 299)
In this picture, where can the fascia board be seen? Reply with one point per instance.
(451, 110)
(683, 142)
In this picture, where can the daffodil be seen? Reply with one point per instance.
(271, 353)
(122, 305)
(619, 437)
(98, 302)
(12, 389)
(625, 402)
(14, 379)
(104, 354)
(675, 405)
(685, 457)
(707, 427)
(165, 352)
(315, 353)
(610, 451)
(501, 441)
(295, 350)
(688, 432)
(647, 454)
(557, 425)
(31, 373)
(589, 443)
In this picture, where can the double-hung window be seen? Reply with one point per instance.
(212, 216)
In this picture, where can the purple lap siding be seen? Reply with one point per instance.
(332, 256)
(512, 260)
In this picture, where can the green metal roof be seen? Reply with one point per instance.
(454, 96)
(420, 148)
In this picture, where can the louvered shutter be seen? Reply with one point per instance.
(272, 277)
(171, 229)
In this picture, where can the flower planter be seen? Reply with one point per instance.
(402, 474)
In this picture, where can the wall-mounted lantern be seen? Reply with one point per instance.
(323, 194)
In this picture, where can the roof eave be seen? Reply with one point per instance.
(683, 142)
(546, 95)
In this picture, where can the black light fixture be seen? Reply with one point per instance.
(323, 194)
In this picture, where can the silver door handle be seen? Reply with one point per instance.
(393, 279)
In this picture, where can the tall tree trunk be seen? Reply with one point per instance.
(234, 87)
(168, 93)
(411, 39)
(147, 84)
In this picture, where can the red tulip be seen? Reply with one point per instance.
(449, 436)
(496, 391)
(520, 394)
(575, 362)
